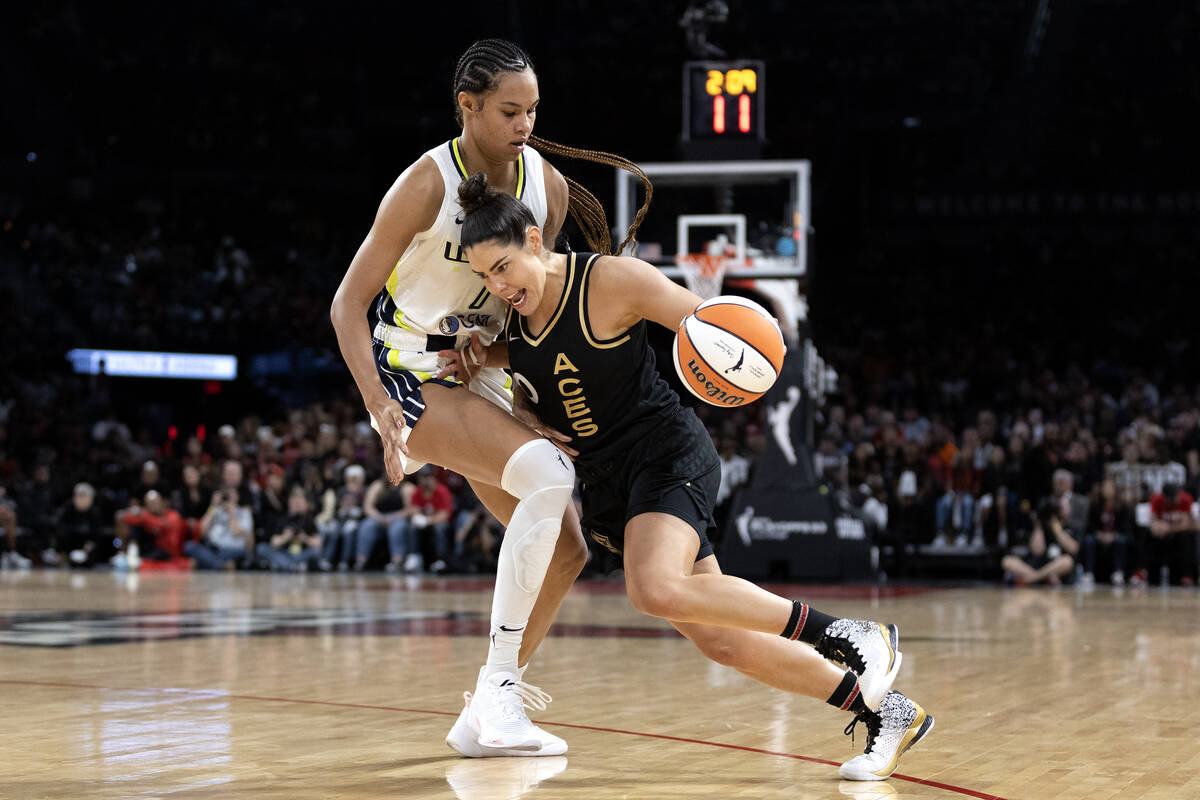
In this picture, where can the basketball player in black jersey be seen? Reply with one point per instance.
(576, 343)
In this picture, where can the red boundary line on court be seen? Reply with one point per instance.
(919, 781)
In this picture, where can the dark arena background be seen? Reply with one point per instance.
(978, 223)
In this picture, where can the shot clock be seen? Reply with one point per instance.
(723, 107)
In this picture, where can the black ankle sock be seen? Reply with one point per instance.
(806, 624)
(846, 696)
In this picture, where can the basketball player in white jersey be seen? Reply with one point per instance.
(409, 293)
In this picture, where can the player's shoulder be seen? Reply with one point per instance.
(423, 175)
(614, 266)
(552, 177)
(620, 275)
(418, 192)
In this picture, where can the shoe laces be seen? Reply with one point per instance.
(869, 718)
(515, 696)
(841, 643)
(532, 696)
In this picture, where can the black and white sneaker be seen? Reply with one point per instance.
(898, 725)
(870, 649)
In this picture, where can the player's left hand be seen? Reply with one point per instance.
(527, 417)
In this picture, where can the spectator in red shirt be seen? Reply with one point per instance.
(1172, 541)
(156, 527)
(432, 506)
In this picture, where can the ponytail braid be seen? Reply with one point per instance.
(583, 205)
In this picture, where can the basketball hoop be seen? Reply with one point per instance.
(704, 274)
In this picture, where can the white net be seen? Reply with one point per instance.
(704, 274)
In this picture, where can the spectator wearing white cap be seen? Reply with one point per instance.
(227, 443)
(338, 535)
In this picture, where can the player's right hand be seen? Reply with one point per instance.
(463, 364)
(389, 418)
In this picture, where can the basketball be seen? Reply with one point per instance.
(728, 351)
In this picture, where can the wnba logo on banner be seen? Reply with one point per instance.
(752, 527)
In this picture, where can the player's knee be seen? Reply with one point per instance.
(720, 646)
(662, 600)
(539, 468)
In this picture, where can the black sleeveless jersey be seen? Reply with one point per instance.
(604, 393)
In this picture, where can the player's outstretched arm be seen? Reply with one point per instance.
(637, 290)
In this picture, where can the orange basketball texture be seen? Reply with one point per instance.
(751, 326)
(728, 352)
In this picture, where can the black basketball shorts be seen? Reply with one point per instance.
(675, 471)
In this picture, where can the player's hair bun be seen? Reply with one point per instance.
(489, 215)
(474, 193)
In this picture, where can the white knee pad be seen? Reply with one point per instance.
(542, 479)
(535, 466)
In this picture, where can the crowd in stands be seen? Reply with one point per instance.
(1088, 474)
(304, 493)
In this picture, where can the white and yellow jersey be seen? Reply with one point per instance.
(432, 291)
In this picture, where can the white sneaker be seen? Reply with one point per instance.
(899, 724)
(463, 738)
(867, 648)
(413, 562)
(498, 711)
(1118, 578)
(471, 780)
(14, 560)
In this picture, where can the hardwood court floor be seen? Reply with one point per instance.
(254, 685)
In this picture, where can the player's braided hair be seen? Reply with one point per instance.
(478, 72)
(584, 206)
(479, 68)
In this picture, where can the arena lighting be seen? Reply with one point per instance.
(147, 364)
